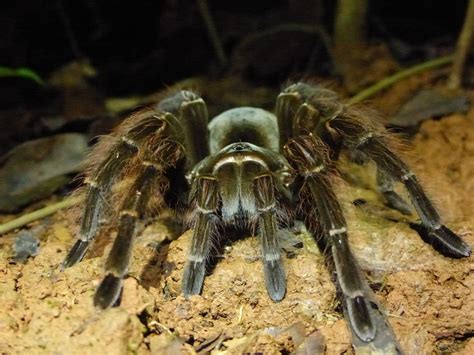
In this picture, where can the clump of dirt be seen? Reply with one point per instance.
(427, 296)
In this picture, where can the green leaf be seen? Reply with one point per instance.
(26, 73)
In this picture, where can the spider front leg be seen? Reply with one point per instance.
(322, 213)
(360, 135)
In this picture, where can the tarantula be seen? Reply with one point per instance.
(249, 167)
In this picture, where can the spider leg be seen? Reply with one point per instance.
(322, 212)
(274, 272)
(394, 200)
(384, 184)
(206, 203)
(151, 179)
(118, 260)
(103, 177)
(191, 112)
(182, 116)
(302, 108)
(298, 114)
(359, 136)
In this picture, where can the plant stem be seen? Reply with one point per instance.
(462, 48)
(39, 214)
(349, 41)
(384, 83)
(350, 22)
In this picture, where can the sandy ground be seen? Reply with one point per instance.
(428, 297)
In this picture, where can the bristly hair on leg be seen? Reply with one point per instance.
(107, 164)
(358, 135)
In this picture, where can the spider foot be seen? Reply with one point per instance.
(275, 279)
(397, 203)
(360, 318)
(76, 254)
(371, 331)
(193, 278)
(449, 243)
(443, 240)
(108, 292)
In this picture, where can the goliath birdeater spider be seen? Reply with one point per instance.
(248, 168)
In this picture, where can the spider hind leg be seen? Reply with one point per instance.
(386, 188)
(358, 134)
(384, 184)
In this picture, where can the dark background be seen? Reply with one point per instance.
(138, 46)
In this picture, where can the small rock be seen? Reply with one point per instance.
(315, 343)
(26, 245)
(35, 169)
(426, 104)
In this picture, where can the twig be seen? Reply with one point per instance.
(462, 48)
(384, 83)
(39, 214)
(212, 31)
(76, 50)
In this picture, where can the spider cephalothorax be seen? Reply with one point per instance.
(251, 168)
